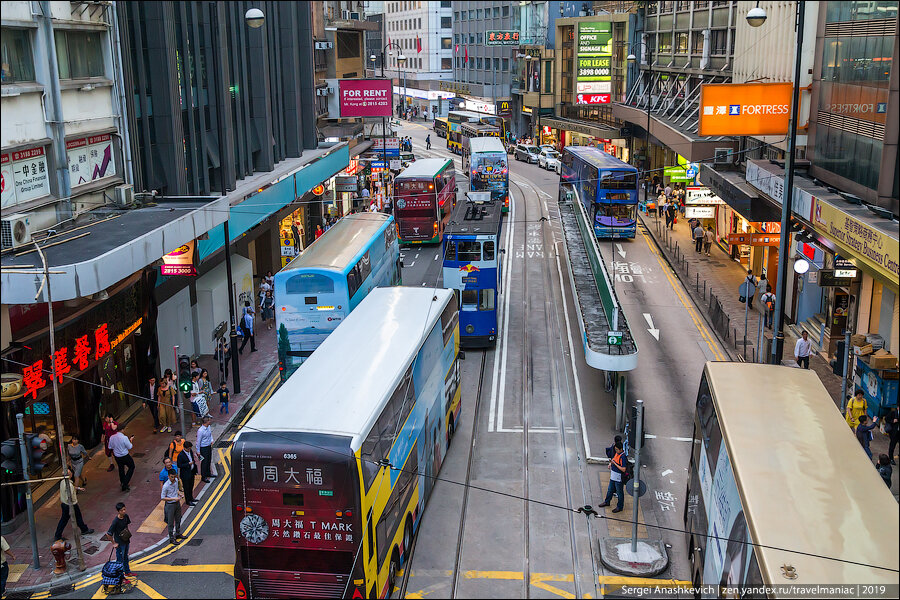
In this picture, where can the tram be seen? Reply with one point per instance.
(607, 187)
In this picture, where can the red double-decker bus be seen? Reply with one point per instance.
(424, 197)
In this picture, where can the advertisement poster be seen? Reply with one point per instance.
(728, 549)
(365, 97)
(25, 176)
(180, 261)
(594, 69)
(90, 158)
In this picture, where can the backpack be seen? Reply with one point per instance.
(770, 302)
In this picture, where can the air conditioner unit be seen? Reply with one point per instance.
(124, 195)
(345, 15)
(354, 16)
(723, 156)
(15, 232)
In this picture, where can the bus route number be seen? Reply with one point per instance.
(290, 457)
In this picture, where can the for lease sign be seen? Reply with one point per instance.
(365, 97)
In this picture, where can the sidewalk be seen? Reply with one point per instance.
(143, 503)
(712, 282)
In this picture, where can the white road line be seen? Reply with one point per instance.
(507, 278)
(423, 284)
(417, 255)
(662, 437)
(411, 264)
(435, 257)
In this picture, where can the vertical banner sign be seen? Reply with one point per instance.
(593, 79)
(365, 97)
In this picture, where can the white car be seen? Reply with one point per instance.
(549, 159)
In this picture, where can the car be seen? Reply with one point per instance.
(547, 147)
(549, 159)
(527, 152)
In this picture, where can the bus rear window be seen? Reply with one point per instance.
(309, 284)
(292, 499)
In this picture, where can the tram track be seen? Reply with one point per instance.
(527, 395)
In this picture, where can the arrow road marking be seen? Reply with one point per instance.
(653, 331)
(619, 249)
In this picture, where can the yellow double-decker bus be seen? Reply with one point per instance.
(441, 126)
(455, 120)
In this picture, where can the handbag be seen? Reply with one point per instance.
(125, 535)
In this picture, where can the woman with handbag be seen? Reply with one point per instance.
(166, 397)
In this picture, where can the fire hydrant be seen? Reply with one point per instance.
(58, 550)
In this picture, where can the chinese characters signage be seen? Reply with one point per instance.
(593, 78)
(365, 97)
(873, 247)
(754, 239)
(180, 261)
(744, 108)
(89, 347)
(90, 158)
(501, 38)
(24, 177)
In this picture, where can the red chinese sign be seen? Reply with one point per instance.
(501, 38)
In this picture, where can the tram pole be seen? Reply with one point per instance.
(638, 432)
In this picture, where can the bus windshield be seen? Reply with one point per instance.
(618, 180)
(415, 198)
(615, 215)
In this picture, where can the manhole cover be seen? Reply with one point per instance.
(139, 455)
(180, 562)
(61, 589)
(195, 542)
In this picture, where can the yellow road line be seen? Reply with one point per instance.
(493, 575)
(151, 593)
(229, 568)
(538, 580)
(100, 593)
(263, 398)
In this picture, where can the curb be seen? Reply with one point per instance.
(70, 579)
(687, 289)
(650, 560)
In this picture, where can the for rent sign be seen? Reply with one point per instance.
(744, 108)
(365, 97)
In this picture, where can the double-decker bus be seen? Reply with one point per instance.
(455, 119)
(471, 268)
(487, 164)
(780, 493)
(316, 291)
(607, 187)
(332, 474)
(441, 126)
(424, 197)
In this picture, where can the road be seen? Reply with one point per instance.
(501, 520)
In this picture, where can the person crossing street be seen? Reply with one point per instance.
(428, 142)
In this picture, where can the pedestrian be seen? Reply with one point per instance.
(109, 428)
(270, 279)
(892, 428)
(428, 142)
(150, 401)
(120, 446)
(268, 309)
(204, 444)
(196, 388)
(802, 349)
(195, 367)
(616, 471)
(264, 287)
(247, 327)
(168, 465)
(864, 432)
(884, 469)
(4, 569)
(768, 306)
(749, 288)
(176, 447)
(708, 238)
(77, 456)
(319, 231)
(167, 403)
(856, 407)
(223, 398)
(698, 237)
(121, 536)
(223, 357)
(668, 190)
(171, 495)
(68, 501)
(187, 470)
(670, 214)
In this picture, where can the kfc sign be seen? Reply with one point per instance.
(365, 97)
(593, 98)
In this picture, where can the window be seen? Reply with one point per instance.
(487, 299)
(446, 43)
(478, 14)
(489, 250)
(445, 3)
(505, 65)
(697, 42)
(79, 54)
(665, 42)
(681, 42)
(471, 15)
(505, 10)
(479, 38)
(718, 41)
(419, 24)
(496, 64)
(16, 51)
(469, 298)
(469, 251)
(850, 59)
(462, 16)
(446, 64)
(496, 12)
(471, 38)
(446, 23)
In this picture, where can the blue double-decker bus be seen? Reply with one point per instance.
(316, 291)
(607, 187)
(472, 269)
(487, 164)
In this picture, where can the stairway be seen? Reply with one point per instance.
(814, 326)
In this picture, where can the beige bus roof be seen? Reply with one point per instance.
(805, 482)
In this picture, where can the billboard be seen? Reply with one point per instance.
(501, 38)
(180, 261)
(365, 97)
(744, 108)
(593, 77)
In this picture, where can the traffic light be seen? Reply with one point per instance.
(633, 422)
(36, 447)
(184, 374)
(12, 458)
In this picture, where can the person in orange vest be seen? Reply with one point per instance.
(616, 475)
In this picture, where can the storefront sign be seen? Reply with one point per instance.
(501, 38)
(24, 177)
(365, 97)
(90, 158)
(754, 239)
(873, 247)
(479, 106)
(180, 261)
(744, 108)
(502, 108)
(701, 195)
(345, 183)
(772, 185)
(594, 62)
(700, 212)
(389, 146)
(836, 277)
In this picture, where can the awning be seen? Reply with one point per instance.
(731, 187)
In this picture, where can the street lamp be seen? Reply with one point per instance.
(633, 60)
(254, 18)
(756, 17)
(401, 60)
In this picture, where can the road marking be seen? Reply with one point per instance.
(410, 264)
(497, 393)
(653, 331)
(154, 523)
(620, 251)
(538, 580)
(666, 472)
(663, 437)
(148, 590)
(229, 568)
(435, 257)
(493, 575)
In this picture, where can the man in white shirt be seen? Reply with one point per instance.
(120, 445)
(204, 443)
(802, 350)
(172, 508)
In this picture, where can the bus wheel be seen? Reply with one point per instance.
(450, 431)
(407, 540)
(392, 570)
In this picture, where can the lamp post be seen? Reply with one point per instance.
(633, 59)
(756, 17)
(384, 181)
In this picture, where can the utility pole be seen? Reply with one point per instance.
(35, 555)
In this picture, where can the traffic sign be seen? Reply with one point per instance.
(614, 338)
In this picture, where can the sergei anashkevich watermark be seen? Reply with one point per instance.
(757, 591)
